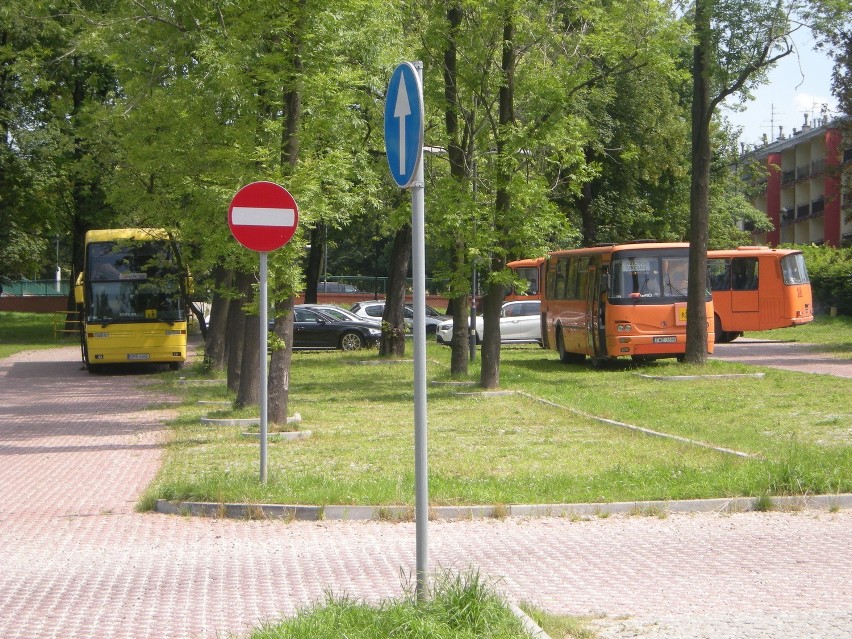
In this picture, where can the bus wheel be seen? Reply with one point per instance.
(175, 366)
(721, 337)
(564, 355)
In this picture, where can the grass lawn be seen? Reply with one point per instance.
(509, 448)
(27, 331)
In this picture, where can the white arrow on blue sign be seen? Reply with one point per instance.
(404, 123)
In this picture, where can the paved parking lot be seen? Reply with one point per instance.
(77, 561)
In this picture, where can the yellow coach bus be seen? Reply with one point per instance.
(131, 298)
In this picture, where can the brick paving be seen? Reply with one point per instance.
(77, 561)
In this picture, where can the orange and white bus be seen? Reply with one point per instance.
(757, 288)
(624, 300)
(131, 295)
(530, 271)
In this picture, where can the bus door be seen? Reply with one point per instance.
(744, 291)
(596, 305)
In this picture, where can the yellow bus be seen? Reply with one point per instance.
(757, 288)
(131, 299)
(625, 300)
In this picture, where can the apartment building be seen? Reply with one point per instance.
(808, 187)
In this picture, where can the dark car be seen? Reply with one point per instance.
(313, 329)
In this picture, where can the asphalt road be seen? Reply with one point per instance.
(76, 451)
(805, 358)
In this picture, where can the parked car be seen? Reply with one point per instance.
(376, 308)
(520, 323)
(313, 329)
(336, 287)
(341, 313)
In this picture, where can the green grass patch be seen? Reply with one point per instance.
(509, 449)
(463, 607)
(28, 331)
(560, 626)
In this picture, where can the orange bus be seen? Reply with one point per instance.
(529, 270)
(757, 288)
(618, 300)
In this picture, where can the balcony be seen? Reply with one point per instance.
(818, 205)
(788, 216)
(803, 211)
(817, 167)
(803, 172)
(788, 177)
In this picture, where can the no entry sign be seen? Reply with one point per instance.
(263, 216)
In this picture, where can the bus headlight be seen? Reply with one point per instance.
(623, 328)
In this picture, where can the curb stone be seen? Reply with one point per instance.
(291, 512)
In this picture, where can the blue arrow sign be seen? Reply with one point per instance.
(404, 123)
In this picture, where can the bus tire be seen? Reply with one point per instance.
(721, 337)
(564, 356)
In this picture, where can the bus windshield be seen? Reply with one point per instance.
(133, 281)
(794, 269)
(648, 276)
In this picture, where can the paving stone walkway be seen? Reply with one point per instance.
(76, 561)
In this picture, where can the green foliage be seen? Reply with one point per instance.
(830, 272)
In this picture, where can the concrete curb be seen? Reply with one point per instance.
(532, 628)
(457, 513)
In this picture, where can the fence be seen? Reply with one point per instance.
(41, 288)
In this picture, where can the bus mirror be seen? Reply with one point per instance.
(78, 289)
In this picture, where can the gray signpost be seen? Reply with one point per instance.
(404, 146)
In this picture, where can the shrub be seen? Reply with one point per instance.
(830, 270)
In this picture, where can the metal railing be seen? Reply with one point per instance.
(40, 288)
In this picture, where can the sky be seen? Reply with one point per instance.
(798, 85)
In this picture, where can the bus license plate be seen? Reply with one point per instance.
(138, 356)
(665, 340)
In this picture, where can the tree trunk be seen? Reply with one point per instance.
(236, 330)
(393, 318)
(279, 373)
(248, 393)
(490, 353)
(459, 308)
(279, 369)
(490, 372)
(315, 255)
(215, 346)
(585, 206)
(699, 192)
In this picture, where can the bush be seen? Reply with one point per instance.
(830, 270)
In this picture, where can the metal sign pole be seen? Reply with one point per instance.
(421, 477)
(264, 384)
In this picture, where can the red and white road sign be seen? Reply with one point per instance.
(263, 216)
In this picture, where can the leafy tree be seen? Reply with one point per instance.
(50, 181)
(736, 41)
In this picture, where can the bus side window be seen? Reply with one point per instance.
(720, 274)
(744, 270)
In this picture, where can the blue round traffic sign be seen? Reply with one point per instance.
(404, 123)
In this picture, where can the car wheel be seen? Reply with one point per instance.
(351, 341)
